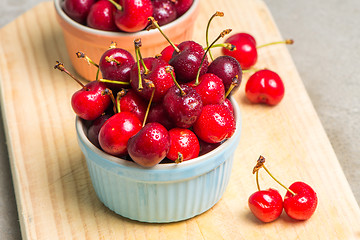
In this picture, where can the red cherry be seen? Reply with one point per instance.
(115, 64)
(229, 105)
(156, 74)
(207, 147)
(184, 141)
(132, 15)
(182, 6)
(89, 102)
(101, 16)
(266, 205)
(157, 113)
(94, 129)
(211, 89)
(167, 52)
(116, 131)
(302, 205)
(265, 86)
(187, 61)
(215, 123)
(163, 11)
(245, 52)
(131, 102)
(77, 9)
(150, 145)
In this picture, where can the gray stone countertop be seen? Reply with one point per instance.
(326, 54)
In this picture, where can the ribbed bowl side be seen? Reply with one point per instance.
(160, 201)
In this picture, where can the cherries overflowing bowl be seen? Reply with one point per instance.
(79, 37)
(167, 192)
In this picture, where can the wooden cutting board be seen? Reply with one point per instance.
(54, 194)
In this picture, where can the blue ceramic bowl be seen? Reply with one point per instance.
(167, 192)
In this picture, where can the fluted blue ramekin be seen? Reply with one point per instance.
(167, 192)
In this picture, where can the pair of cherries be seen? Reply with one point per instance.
(124, 15)
(299, 203)
(264, 86)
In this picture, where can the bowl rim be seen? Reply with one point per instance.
(119, 162)
(139, 34)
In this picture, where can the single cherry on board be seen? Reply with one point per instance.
(265, 86)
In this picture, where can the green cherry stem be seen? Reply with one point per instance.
(220, 14)
(257, 180)
(150, 84)
(118, 6)
(136, 42)
(170, 70)
(61, 67)
(107, 91)
(228, 46)
(154, 25)
(235, 82)
(89, 61)
(287, 41)
(221, 35)
(261, 164)
(113, 81)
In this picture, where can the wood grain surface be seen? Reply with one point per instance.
(53, 190)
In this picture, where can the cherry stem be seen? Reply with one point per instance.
(220, 14)
(221, 35)
(170, 70)
(89, 61)
(180, 158)
(287, 41)
(119, 95)
(112, 45)
(112, 59)
(113, 81)
(261, 164)
(118, 6)
(235, 82)
(257, 180)
(150, 84)
(156, 25)
(137, 46)
(110, 93)
(61, 67)
(228, 46)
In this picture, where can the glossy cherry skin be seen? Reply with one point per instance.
(166, 53)
(186, 63)
(134, 15)
(150, 145)
(215, 124)
(226, 68)
(157, 113)
(94, 129)
(183, 110)
(157, 75)
(302, 205)
(164, 11)
(182, 6)
(78, 9)
(266, 205)
(101, 16)
(245, 52)
(229, 105)
(116, 132)
(211, 89)
(184, 141)
(89, 103)
(115, 64)
(265, 86)
(131, 102)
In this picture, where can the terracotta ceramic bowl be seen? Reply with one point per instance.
(95, 42)
(168, 192)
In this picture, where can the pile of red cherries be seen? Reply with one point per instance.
(124, 15)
